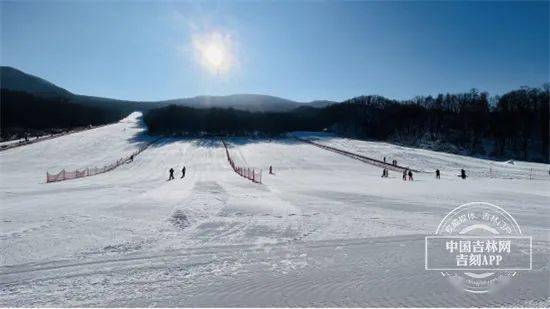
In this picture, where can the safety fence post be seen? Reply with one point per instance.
(64, 175)
(246, 172)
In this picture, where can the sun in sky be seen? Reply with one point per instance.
(213, 51)
(214, 55)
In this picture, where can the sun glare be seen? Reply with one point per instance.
(213, 51)
(214, 55)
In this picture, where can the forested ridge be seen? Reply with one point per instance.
(25, 114)
(514, 125)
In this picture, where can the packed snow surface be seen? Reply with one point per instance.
(323, 230)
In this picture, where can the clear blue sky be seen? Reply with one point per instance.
(298, 50)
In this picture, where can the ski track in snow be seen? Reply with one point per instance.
(324, 230)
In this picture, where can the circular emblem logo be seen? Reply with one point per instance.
(479, 247)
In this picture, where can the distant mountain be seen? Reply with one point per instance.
(250, 102)
(16, 80)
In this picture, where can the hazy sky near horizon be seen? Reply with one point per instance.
(297, 50)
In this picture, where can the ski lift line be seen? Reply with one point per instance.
(64, 175)
(359, 157)
(249, 173)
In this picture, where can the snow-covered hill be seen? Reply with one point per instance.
(324, 230)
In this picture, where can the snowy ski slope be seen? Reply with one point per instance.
(324, 230)
(428, 161)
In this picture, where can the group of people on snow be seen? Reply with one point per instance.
(408, 174)
(393, 162)
(171, 171)
(462, 174)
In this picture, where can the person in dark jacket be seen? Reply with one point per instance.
(182, 172)
(463, 174)
(405, 175)
(410, 175)
(171, 174)
(437, 174)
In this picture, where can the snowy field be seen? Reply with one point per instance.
(324, 230)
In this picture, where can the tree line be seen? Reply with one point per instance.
(185, 120)
(514, 125)
(24, 114)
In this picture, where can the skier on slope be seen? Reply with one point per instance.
(405, 174)
(410, 175)
(182, 172)
(171, 174)
(271, 169)
(463, 174)
(437, 174)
